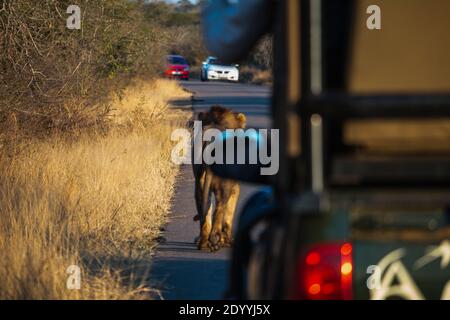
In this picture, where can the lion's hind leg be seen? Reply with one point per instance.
(205, 231)
(230, 209)
(216, 232)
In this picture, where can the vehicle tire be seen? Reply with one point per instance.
(202, 78)
(258, 209)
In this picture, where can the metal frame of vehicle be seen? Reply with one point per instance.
(319, 102)
(310, 106)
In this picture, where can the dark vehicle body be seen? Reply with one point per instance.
(177, 67)
(360, 208)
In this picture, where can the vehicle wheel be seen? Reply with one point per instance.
(201, 76)
(256, 214)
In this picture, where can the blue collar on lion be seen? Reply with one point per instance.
(241, 133)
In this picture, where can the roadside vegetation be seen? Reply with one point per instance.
(181, 21)
(86, 176)
(257, 69)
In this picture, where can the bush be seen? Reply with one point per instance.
(74, 194)
(261, 56)
(188, 42)
(53, 78)
(97, 202)
(181, 23)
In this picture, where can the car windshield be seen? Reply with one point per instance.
(217, 62)
(177, 60)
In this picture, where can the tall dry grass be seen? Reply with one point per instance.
(97, 201)
(255, 75)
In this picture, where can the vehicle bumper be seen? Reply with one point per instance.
(231, 76)
(177, 74)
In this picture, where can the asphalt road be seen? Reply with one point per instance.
(179, 270)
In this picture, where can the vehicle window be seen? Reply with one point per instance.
(177, 60)
(217, 62)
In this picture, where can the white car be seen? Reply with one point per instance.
(214, 69)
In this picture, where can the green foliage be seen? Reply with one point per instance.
(183, 19)
(169, 15)
(181, 23)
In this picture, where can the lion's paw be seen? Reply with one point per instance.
(207, 245)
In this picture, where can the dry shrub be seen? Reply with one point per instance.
(85, 167)
(56, 79)
(181, 23)
(131, 106)
(255, 75)
(97, 201)
(188, 41)
(258, 66)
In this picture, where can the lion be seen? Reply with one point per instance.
(216, 227)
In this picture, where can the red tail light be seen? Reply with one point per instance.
(325, 272)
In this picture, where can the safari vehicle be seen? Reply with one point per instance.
(360, 208)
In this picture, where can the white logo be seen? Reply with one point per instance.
(74, 279)
(74, 20)
(208, 147)
(442, 251)
(374, 21)
(390, 278)
(374, 281)
(390, 268)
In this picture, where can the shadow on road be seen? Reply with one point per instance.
(177, 246)
(248, 105)
(190, 278)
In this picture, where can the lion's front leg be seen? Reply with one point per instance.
(202, 241)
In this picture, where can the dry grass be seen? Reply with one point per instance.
(130, 108)
(255, 75)
(56, 79)
(97, 202)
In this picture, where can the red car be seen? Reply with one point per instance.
(177, 67)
